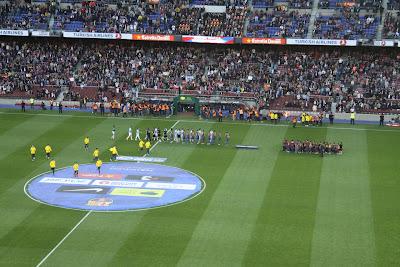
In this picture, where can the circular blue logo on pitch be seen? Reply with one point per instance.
(119, 187)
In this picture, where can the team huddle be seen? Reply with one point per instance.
(307, 146)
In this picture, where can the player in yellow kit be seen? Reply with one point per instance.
(76, 169)
(114, 153)
(96, 154)
(33, 152)
(98, 165)
(48, 150)
(148, 145)
(86, 143)
(141, 145)
(52, 165)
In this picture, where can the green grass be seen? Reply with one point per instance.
(260, 207)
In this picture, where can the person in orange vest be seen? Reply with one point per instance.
(162, 108)
(125, 111)
(256, 115)
(220, 115)
(94, 108)
(294, 121)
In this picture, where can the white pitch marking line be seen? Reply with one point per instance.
(86, 215)
(65, 237)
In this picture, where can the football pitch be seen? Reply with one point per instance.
(259, 207)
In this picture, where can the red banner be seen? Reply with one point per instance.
(153, 37)
(272, 41)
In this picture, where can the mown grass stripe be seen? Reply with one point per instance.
(224, 231)
(9, 122)
(24, 134)
(384, 169)
(344, 233)
(16, 149)
(285, 223)
(164, 233)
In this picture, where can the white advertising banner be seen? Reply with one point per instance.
(327, 42)
(53, 180)
(40, 33)
(14, 32)
(141, 159)
(98, 35)
(384, 43)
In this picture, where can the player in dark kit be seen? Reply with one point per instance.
(148, 135)
(381, 119)
(331, 117)
(220, 115)
(60, 107)
(102, 108)
(219, 138)
(321, 150)
(165, 137)
(23, 106)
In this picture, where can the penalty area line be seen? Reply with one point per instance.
(87, 215)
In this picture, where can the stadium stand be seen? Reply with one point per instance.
(393, 5)
(347, 25)
(335, 19)
(391, 28)
(142, 18)
(293, 78)
(36, 69)
(229, 23)
(278, 24)
(300, 4)
(290, 77)
(231, 3)
(263, 3)
(25, 16)
(356, 4)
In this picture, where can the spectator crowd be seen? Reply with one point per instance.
(391, 27)
(309, 78)
(350, 19)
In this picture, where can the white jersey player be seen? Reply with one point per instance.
(129, 137)
(176, 137)
(137, 137)
(181, 133)
(156, 134)
(113, 133)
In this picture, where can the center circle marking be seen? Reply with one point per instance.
(121, 186)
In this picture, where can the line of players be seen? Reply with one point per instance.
(188, 136)
(173, 135)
